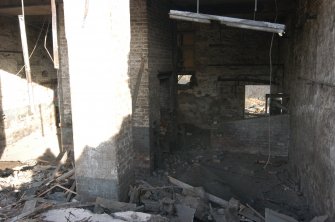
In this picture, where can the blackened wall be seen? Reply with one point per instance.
(311, 63)
(232, 55)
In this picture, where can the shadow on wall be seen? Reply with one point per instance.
(26, 133)
(107, 169)
(107, 179)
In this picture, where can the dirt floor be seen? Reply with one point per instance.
(243, 177)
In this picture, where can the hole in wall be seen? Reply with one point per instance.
(255, 100)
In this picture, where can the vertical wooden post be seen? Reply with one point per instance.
(54, 34)
(26, 61)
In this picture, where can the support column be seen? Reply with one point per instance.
(98, 37)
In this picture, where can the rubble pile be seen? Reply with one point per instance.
(47, 192)
(182, 202)
(35, 187)
(254, 106)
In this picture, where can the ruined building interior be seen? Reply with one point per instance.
(167, 110)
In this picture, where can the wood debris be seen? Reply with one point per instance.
(53, 187)
(35, 188)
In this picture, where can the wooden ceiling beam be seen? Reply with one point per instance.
(28, 10)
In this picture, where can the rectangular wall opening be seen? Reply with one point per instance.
(255, 100)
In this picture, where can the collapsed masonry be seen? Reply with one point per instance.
(118, 103)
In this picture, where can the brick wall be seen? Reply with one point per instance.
(64, 96)
(223, 52)
(138, 60)
(101, 100)
(311, 64)
(151, 43)
(162, 117)
(25, 134)
(252, 136)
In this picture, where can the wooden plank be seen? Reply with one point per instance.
(64, 188)
(229, 21)
(54, 34)
(210, 197)
(66, 175)
(26, 61)
(69, 193)
(28, 10)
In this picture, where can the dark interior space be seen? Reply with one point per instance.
(216, 110)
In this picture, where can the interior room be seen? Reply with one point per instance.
(149, 103)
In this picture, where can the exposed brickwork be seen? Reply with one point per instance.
(151, 40)
(100, 97)
(311, 62)
(224, 52)
(139, 57)
(161, 61)
(252, 136)
(64, 85)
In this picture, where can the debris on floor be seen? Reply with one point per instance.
(33, 187)
(45, 191)
(75, 214)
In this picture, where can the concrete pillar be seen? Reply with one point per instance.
(98, 37)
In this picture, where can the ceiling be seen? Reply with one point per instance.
(222, 7)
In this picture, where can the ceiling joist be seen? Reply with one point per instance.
(28, 10)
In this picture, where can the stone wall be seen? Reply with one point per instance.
(224, 59)
(252, 136)
(26, 133)
(311, 61)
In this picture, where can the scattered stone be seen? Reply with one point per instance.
(29, 205)
(130, 216)
(151, 205)
(58, 196)
(115, 206)
(75, 214)
(185, 213)
(231, 212)
(195, 192)
(167, 206)
(196, 203)
(233, 204)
